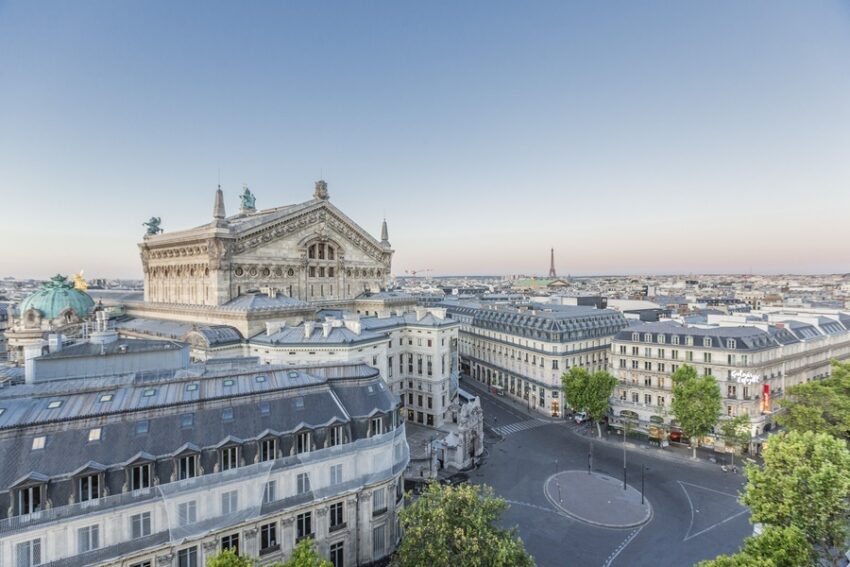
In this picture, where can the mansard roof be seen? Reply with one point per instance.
(742, 337)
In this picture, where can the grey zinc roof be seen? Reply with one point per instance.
(406, 319)
(304, 397)
(154, 327)
(256, 301)
(337, 336)
(220, 334)
(557, 324)
(746, 338)
(115, 348)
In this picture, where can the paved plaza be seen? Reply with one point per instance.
(691, 509)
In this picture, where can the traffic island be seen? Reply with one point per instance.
(597, 499)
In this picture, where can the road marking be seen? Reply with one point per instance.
(505, 430)
(623, 545)
(530, 505)
(688, 534)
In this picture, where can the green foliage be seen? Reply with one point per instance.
(588, 392)
(456, 525)
(737, 433)
(228, 558)
(696, 402)
(804, 483)
(775, 547)
(821, 406)
(305, 554)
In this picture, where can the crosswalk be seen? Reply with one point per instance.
(505, 430)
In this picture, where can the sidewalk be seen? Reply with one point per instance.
(706, 456)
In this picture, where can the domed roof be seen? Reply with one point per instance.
(56, 296)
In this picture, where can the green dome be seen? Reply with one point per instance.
(57, 295)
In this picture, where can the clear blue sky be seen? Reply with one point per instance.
(638, 137)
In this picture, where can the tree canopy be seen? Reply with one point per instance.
(696, 403)
(456, 526)
(805, 483)
(590, 393)
(821, 405)
(736, 432)
(228, 558)
(305, 554)
(774, 547)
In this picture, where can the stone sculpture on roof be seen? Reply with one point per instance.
(321, 190)
(153, 227)
(247, 200)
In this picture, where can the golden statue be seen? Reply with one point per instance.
(79, 282)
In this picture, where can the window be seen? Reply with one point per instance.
(689, 356)
(337, 518)
(706, 357)
(229, 458)
(336, 474)
(149, 393)
(706, 342)
(188, 557)
(635, 397)
(141, 564)
(187, 513)
(187, 420)
(337, 554)
(228, 383)
(28, 553)
(303, 525)
(140, 477)
(142, 427)
(229, 502)
(661, 367)
(269, 491)
(379, 503)
(647, 381)
(38, 442)
(140, 525)
(227, 414)
(706, 371)
(89, 486)
(88, 538)
(378, 541)
(192, 387)
(187, 467)
(377, 424)
(302, 483)
(660, 400)
(634, 365)
(334, 436)
(54, 404)
(230, 542)
(302, 442)
(647, 399)
(30, 499)
(731, 391)
(647, 365)
(265, 409)
(268, 537)
(268, 449)
(105, 398)
(674, 354)
(94, 434)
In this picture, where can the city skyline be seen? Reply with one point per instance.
(634, 140)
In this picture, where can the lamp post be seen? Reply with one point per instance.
(642, 485)
(624, 455)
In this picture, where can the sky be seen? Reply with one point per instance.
(633, 137)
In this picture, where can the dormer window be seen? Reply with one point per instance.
(706, 342)
(302, 442)
(140, 476)
(187, 466)
(660, 339)
(731, 343)
(30, 499)
(334, 436)
(89, 487)
(647, 337)
(229, 458)
(376, 426)
(268, 449)
(635, 337)
(689, 341)
(675, 339)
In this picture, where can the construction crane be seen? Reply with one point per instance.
(413, 273)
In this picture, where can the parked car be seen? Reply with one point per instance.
(581, 417)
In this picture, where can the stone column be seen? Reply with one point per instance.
(287, 535)
(321, 527)
(251, 547)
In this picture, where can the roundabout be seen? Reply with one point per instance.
(597, 499)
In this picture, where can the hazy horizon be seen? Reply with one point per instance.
(639, 139)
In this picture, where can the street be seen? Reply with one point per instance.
(695, 513)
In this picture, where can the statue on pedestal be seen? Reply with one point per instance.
(153, 226)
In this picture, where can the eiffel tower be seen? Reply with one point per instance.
(552, 264)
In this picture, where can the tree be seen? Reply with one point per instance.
(737, 433)
(805, 483)
(696, 403)
(820, 406)
(228, 558)
(456, 525)
(305, 554)
(774, 547)
(590, 393)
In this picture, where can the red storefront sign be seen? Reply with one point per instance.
(765, 398)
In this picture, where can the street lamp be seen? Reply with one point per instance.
(624, 455)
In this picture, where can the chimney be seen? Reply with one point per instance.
(420, 313)
(54, 343)
(308, 329)
(326, 329)
(273, 327)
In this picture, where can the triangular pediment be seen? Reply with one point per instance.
(328, 221)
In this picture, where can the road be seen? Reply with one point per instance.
(696, 515)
